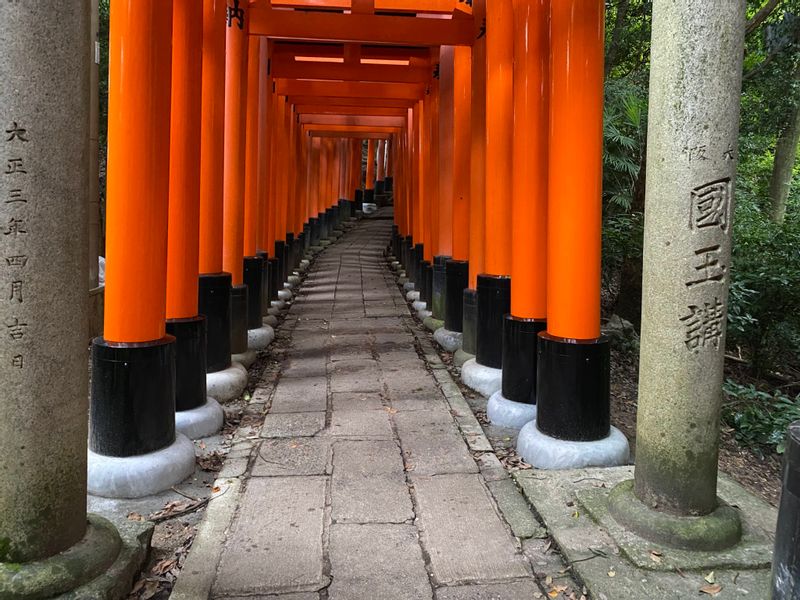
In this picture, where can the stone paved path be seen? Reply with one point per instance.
(363, 486)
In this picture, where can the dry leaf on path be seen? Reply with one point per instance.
(711, 590)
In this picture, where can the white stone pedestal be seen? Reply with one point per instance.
(450, 341)
(200, 422)
(484, 380)
(545, 452)
(228, 384)
(143, 475)
(507, 413)
(259, 339)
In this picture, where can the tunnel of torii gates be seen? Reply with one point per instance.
(235, 140)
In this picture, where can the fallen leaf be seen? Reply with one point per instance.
(215, 490)
(576, 514)
(202, 445)
(655, 556)
(553, 594)
(548, 580)
(134, 516)
(710, 578)
(612, 573)
(711, 590)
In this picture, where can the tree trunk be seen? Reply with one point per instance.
(616, 35)
(783, 167)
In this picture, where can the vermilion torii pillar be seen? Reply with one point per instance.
(572, 428)
(457, 269)
(197, 416)
(515, 404)
(236, 56)
(494, 284)
(225, 380)
(369, 183)
(477, 210)
(380, 175)
(134, 450)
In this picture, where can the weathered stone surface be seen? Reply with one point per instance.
(461, 531)
(293, 425)
(296, 395)
(695, 97)
(350, 401)
(369, 484)
(361, 424)
(432, 444)
(275, 543)
(298, 456)
(379, 562)
(518, 590)
(515, 509)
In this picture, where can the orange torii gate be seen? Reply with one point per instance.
(461, 110)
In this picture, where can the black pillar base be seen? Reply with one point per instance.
(786, 558)
(389, 184)
(239, 295)
(456, 281)
(439, 287)
(274, 279)
(314, 225)
(494, 303)
(380, 187)
(133, 397)
(427, 274)
(416, 268)
(469, 340)
(253, 279)
(265, 279)
(359, 200)
(306, 237)
(519, 358)
(422, 286)
(280, 255)
(291, 247)
(190, 361)
(369, 196)
(573, 388)
(408, 256)
(214, 301)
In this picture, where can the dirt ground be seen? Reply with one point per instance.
(760, 475)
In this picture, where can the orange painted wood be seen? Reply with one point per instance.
(212, 129)
(499, 135)
(252, 133)
(531, 126)
(354, 120)
(365, 111)
(183, 240)
(349, 89)
(381, 172)
(234, 145)
(477, 211)
(446, 150)
(576, 169)
(431, 161)
(462, 134)
(367, 29)
(140, 64)
(370, 181)
(264, 134)
(287, 67)
(352, 101)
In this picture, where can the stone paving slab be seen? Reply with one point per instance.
(377, 562)
(293, 425)
(295, 395)
(518, 590)
(361, 424)
(349, 401)
(276, 541)
(431, 443)
(369, 484)
(288, 456)
(465, 538)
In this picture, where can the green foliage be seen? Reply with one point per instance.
(760, 419)
(764, 303)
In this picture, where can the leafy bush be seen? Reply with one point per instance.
(759, 418)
